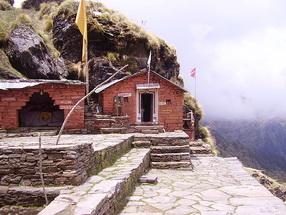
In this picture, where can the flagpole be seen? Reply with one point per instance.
(86, 71)
(196, 87)
(149, 66)
(86, 58)
(149, 75)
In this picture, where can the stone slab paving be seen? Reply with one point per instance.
(102, 193)
(99, 141)
(216, 186)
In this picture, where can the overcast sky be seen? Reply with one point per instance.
(237, 46)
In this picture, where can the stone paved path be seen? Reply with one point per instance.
(217, 186)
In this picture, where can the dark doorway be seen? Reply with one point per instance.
(147, 102)
(40, 111)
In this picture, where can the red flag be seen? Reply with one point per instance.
(193, 72)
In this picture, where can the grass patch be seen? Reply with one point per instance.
(6, 70)
(191, 103)
(206, 136)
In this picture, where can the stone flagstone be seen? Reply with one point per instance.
(216, 186)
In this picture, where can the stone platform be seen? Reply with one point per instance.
(69, 163)
(216, 186)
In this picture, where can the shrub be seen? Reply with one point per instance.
(206, 136)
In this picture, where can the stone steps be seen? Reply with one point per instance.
(148, 129)
(170, 165)
(170, 157)
(204, 149)
(170, 149)
(103, 193)
(113, 130)
(141, 143)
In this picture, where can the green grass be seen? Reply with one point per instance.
(206, 136)
(6, 70)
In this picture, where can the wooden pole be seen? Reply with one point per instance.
(41, 168)
(83, 98)
(86, 70)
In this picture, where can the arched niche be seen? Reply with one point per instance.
(40, 111)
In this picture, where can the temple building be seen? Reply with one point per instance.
(143, 99)
(155, 102)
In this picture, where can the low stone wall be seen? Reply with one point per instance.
(61, 165)
(94, 123)
(26, 196)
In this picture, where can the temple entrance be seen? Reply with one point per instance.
(147, 107)
(40, 111)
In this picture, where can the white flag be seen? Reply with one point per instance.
(149, 61)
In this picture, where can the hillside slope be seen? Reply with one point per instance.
(258, 144)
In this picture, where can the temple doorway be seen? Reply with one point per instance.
(147, 107)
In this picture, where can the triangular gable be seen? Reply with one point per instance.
(106, 86)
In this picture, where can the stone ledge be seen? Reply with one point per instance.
(102, 194)
(27, 196)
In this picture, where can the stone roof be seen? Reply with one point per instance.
(24, 83)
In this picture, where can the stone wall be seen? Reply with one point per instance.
(94, 122)
(62, 165)
(26, 196)
(171, 99)
(63, 95)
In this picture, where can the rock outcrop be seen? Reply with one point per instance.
(50, 31)
(28, 53)
(36, 4)
(111, 36)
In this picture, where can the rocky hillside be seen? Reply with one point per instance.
(277, 189)
(258, 144)
(42, 41)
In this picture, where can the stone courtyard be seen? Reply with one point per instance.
(97, 174)
(217, 186)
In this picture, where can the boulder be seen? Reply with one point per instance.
(28, 53)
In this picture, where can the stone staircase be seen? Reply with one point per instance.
(199, 149)
(147, 129)
(166, 153)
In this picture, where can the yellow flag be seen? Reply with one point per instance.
(81, 22)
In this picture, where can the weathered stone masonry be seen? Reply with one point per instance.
(68, 164)
(61, 165)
